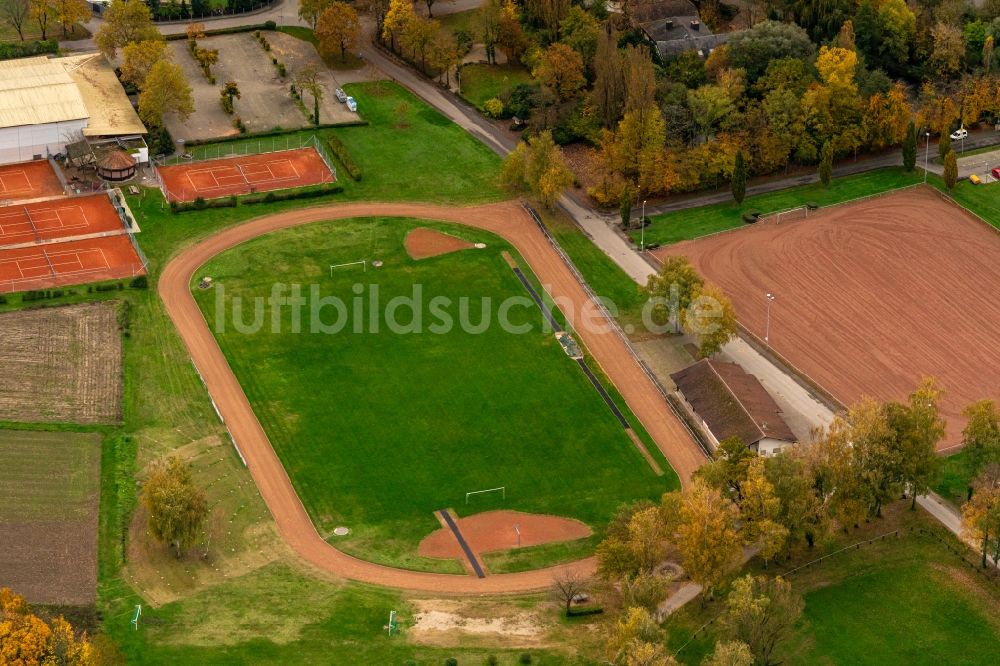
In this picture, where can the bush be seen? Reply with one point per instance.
(493, 108)
(751, 216)
(492, 660)
(525, 658)
(270, 25)
(140, 282)
(160, 141)
(3, 300)
(339, 151)
(451, 661)
(268, 197)
(11, 50)
(282, 72)
(521, 100)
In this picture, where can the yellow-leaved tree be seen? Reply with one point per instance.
(27, 639)
(539, 167)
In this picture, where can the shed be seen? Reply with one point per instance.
(116, 166)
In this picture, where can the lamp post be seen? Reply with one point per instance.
(642, 228)
(767, 325)
(927, 152)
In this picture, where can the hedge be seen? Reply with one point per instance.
(11, 50)
(268, 25)
(266, 197)
(272, 132)
(340, 151)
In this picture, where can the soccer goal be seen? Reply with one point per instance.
(363, 263)
(500, 489)
(791, 214)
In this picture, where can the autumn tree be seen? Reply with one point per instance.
(378, 9)
(41, 12)
(227, 94)
(511, 37)
(398, 16)
(310, 11)
(138, 59)
(617, 555)
(728, 469)
(560, 70)
(762, 613)
(165, 91)
(28, 640)
(640, 79)
(15, 13)
(487, 27)
(337, 29)
(671, 290)
(307, 79)
(729, 653)
(802, 508)
(760, 510)
(981, 514)
(644, 590)
(417, 36)
(704, 532)
(919, 427)
(608, 92)
(709, 104)
(67, 13)
(949, 49)
(550, 14)
(910, 147)
(635, 635)
(826, 164)
(738, 183)
(539, 167)
(711, 318)
(950, 174)
(125, 21)
(177, 508)
(443, 53)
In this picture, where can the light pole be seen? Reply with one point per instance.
(767, 325)
(927, 152)
(642, 228)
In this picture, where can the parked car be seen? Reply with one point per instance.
(341, 95)
(959, 134)
(995, 173)
(351, 104)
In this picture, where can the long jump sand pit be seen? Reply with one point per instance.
(870, 297)
(498, 530)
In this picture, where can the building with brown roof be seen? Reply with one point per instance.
(727, 402)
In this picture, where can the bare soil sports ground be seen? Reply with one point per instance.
(511, 222)
(872, 296)
(495, 530)
(68, 263)
(212, 179)
(422, 243)
(50, 484)
(61, 364)
(28, 180)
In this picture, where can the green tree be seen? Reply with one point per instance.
(897, 28)
(910, 147)
(608, 93)
(950, 174)
(919, 427)
(166, 91)
(671, 291)
(738, 183)
(581, 31)
(761, 613)
(944, 143)
(711, 318)
(729, 653)
(826, 164)
(311, 10)
(177, 508)
(125, 21)
(981, 435)
(138, 59)
(752, 50)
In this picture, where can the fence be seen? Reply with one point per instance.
(324, 154)
(58, 281)
(252, 146)
(613, 323)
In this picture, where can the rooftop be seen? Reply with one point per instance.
(111, 112)
(35, 91)
(732, 402)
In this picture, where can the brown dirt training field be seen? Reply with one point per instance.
(50, 484)
(872, 296)
(422, 243)
(495, 530)
(61, 364)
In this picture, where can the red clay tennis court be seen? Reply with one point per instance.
(245, 174)
(68, 263)
(29, 180)
(57, 218)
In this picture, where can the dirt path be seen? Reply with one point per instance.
(507, 220)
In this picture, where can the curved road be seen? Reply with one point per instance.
(507, 220)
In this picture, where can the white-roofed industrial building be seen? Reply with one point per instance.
(49, 103)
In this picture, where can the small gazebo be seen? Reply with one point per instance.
(116, 166)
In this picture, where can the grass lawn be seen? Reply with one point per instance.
(983, 200)
(408, 152)
(348, 62)
(484, 82)
(696, 222)
(348, 413)
(460, 21)
(906, 600)
(32, 33)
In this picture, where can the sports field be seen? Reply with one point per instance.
(28, 180)
(68, 263)
(57, 218)
(49, 482)
(377, 430)
(244, 174)
(870, 297)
